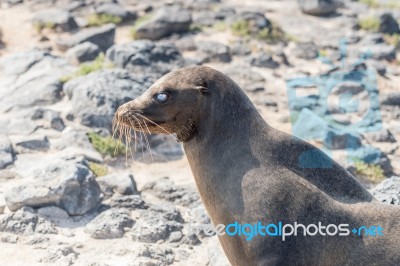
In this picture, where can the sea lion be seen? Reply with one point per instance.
(248, 172)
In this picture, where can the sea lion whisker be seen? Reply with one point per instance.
(141, 133)
(151, 155)
(130, 142)
(145, 136)
(126, 147)
(155, 124)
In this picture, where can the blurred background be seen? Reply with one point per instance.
(70, 194)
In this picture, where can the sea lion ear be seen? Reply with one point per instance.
(203, 88)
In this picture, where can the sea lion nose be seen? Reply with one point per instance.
(122, 112)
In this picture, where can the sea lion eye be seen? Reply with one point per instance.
(161, 97)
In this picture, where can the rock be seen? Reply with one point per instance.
(115, 10)
(383, 135)
(69, 185)
(191, 240)
(249, 80)
(36, 239)
(6, 152)
(109, 224)
(53, 212)
(336, 140)
(154, 255)
(83, 52)
(164, 148)
(157, 223)
(152, 59)
(6, 238)
(94, 103)
(127, 202)
(55, 19)
(175, 236)
(371, 155)
(199, 215)
(388, 191)
(388, 24)
(166, 189)
(73, 138)
(25, 222)
(124, 184)
(166, 21)
(306, 50)
(256, 21)
(64, 255)
(373, 38)
(102, 36)
(216, 255)
(318, 7)
(14, 2)
(213, 52)
(42, 144)
(380, 52)
(262, 60)
(31, 78)
(52, 118)
(392, 99)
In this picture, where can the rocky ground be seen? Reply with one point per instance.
(71, 195)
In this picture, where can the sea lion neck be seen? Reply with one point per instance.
(229, 116)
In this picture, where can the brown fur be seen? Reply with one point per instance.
(247, 171)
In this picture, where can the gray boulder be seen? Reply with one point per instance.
(306, 50)
(262, 60)
(256, 21)
(388, 191)
(392, 99)
(383, 135)
(69, 185)
(210, 51)
(318, 7)
(25, 221)
(154, 255)
(83, 52)
(157, 223)
(124, 184)
(127, 201)
(31, 78)
(379, 51)
(102, 36)
(166, 21)
(51, 119)
(110, 224)
(36, 144)
(52, 213)
(54, 18)
(115, 10)
(6, 152)
(388, 24)
(94, 103)
(336, 140)
(144, 56)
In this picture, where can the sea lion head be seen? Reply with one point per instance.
(173, 104)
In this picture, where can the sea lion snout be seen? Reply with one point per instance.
(124, 114)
